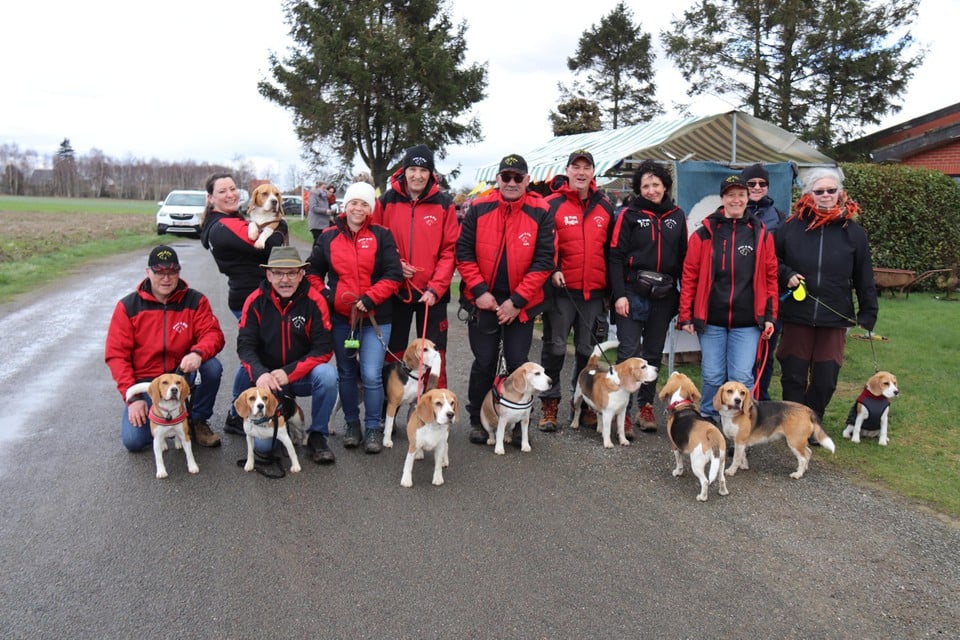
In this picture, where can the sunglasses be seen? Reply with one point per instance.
(507, 178)
(820, 192)
(757, 184)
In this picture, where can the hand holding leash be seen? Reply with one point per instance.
(506, 312)
(558, 279)
(191, 362)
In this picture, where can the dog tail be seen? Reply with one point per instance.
(603, 347)
(821, 436)
(137, 389)
(718, 448)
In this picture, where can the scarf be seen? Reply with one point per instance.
(807, 209)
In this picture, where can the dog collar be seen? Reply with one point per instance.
(165, 421)
(679, 403)
(509, 404)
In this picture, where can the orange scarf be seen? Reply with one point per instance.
(807, 209)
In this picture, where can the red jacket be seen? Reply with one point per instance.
(147, 337)
(522, 229)
(582, 238)
(361, 266)
(426, 231)
(698, 276)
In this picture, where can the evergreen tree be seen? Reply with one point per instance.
(373, 78)
(575, 113)
(616, 57)
(65, 170)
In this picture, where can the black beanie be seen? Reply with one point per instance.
(419, 156)
(753, 172)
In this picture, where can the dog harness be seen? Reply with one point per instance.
(875, 405)
(680, 404)
(506, 402)
(167, 421)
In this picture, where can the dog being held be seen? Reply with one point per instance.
(870, 413)
(168, 416)
(510, 402)
(401, 381)
(261, 414)
(265, 213)
(608, 392)
(748, 422)
(691, 434)
(428, 429)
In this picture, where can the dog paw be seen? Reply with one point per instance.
(418, 455)
(701, 497)
(730, 472)
(608, 445)
(855, 439)
(848, 432)
(525, 448)
(677, 473)
(723, 491)
(161, 474)
(882, 442)
(796, 475)
(295, 468)
(406, 482)
(624, 443)
(193, 469)
(388, 443)
(437, 481)
(499, 451)
(248, 466)
(491, 441)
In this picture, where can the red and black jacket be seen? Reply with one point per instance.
(729, 274)
(356, 266)
(426, 231)
(649, 237)
(523, 231)
(583, 230)
(226, 238)
(293, 335)
(147, 337)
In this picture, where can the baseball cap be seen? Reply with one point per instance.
(163, 258)
(732, 181)
(514, 163)
(580, 153)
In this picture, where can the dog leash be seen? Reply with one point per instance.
(593, 336)
(271, 459)
(421, 384)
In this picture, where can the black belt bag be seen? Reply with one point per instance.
(652, 284)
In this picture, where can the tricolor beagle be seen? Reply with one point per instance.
(402, 381)
(259, 408)
(870, 413)
(750, 422)
(428, 429)
(168, 416)
(265, 213)
(510, 402)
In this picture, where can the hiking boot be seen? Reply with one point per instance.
(351, 437)
(548, 414)
(588, 417)
(319, 450)
(233, 425)
(478, 435)
(373, 441)
(203, 434)
(646, 420)
(628, 427)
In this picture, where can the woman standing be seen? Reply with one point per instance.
(649, 236)
(729, 291)
(824, 248)
(361, 266)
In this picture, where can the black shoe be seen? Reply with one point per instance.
(319, 450)
(351, 437)
(730, 451)
(515, 437)
(478, 435)
(373, 441)
(234, 425)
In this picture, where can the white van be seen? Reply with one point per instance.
(181, 212)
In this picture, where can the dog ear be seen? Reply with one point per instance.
(425, 408)
(270, 399)
(184, 388)
(694, 393)
(411, 354)
(242, 405)
(747, 402)
(875, 384)
(718, 398)
(455, 403)
(154, 390)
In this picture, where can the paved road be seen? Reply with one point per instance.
(570, 540)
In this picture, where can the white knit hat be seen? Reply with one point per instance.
(361, 191)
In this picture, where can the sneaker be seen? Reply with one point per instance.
(204, 435)
(628, 427)
(351, 436)
(233, 425)
(646, 420)
(373, 441)
(319, 449)
(478, 435)
(548, 414)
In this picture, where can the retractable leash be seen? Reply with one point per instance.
(593, 336)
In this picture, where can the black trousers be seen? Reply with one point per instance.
(485, 336)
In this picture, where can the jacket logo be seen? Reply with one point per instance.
(365, 242)
(430, 220)
(570, 221)
(299, 322)
(643, 223)
(525, 238)
(745, 250)
(180, 326)
(670, 223)
(599, 220)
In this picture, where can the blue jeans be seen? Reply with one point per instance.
(202, 394)
(320, 384)
(366, 365)
(726, 354)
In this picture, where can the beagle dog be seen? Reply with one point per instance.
(428, 429)
(265, 213)
(510, 402)
(870, 413)
(608, 392)
(750, 422)
(168, 416)
(402, 382)
(258, 407)
(692, 435)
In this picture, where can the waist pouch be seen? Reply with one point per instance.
(651, 284)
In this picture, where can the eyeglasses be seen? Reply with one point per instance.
(757, 184)
(820, 192)
(285, 275)
(507, 178)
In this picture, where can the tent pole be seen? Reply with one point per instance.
(733, 140)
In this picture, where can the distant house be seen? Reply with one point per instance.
(41, 182)
(931, 141)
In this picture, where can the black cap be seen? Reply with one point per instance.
(513, 163)
(732, 181)
(418, 156)
(163, 258)
(581, 153)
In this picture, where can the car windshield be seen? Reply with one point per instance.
(187, 199)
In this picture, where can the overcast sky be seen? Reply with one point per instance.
(177, 80)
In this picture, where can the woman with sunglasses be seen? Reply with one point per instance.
(822, 247)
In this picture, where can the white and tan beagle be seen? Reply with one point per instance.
(428, 429)
(265, 213)
(259, 408)
(748, 422)
(608, 392)
(402, 381)
(870, 414)
(694, 436)
(510, 402)
(168, 416)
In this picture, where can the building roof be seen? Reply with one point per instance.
(734, 137)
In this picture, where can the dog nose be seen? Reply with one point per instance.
(450, 415)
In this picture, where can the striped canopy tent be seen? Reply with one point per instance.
(734, 138)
